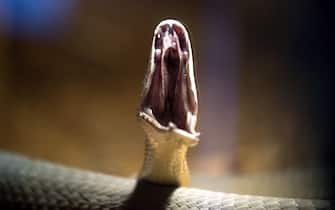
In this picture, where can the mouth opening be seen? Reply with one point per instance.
(172, 60)
(169, 95)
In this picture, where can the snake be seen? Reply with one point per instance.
(168, 114)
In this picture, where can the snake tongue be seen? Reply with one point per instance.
(169, 94)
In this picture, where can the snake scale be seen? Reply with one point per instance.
(168, 115)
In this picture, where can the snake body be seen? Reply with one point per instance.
(168, 115)
(31, 184)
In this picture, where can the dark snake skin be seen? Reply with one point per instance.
(33, 184)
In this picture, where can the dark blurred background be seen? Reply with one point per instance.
(71, 75)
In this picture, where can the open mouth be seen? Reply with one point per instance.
(170, 94)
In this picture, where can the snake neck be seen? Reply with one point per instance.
(165, 162)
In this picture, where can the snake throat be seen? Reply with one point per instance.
(170, 94)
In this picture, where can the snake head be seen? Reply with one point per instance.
(169, 99)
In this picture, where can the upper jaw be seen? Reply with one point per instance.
(169, 98)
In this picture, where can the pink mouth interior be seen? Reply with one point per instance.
(169, 91)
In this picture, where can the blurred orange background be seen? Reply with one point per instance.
(71, 76)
